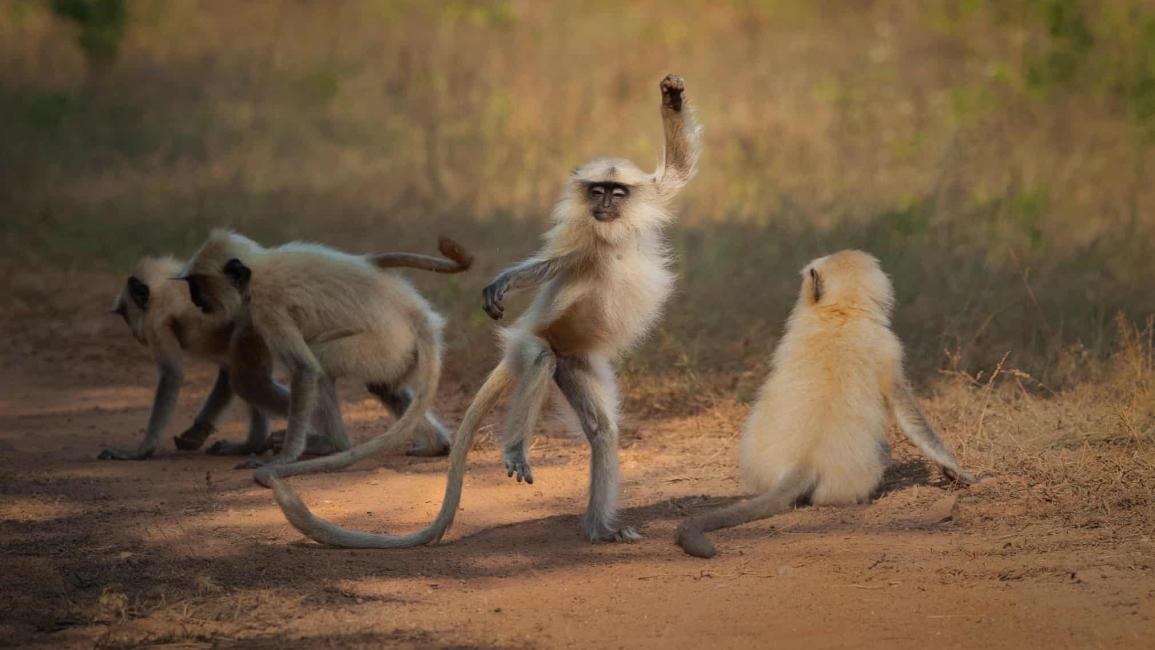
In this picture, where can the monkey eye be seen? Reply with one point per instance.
(597, 191)
(620, 192)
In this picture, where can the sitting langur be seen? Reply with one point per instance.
(323, 315)
(162, 317)
(601, 277)
(817, 433)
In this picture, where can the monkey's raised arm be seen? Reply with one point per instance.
(170, 368)
(918, 430)
(529, 274)
(683, 138)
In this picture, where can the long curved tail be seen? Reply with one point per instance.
(691, 533)
(426, 377)
(456, 260)
(329, 533)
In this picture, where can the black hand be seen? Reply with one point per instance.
(494, 294)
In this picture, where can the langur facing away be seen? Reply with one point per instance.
(818, 430)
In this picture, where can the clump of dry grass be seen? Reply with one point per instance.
(1084, 454)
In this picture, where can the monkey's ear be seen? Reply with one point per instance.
(816, 281)
(138, 291)
(236, 271)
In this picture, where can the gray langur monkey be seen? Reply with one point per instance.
(324, 314)
(817, 433)
(162, 317)
(602, 277)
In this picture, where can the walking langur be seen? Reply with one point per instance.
(162, 317)
(602, 277)
(324, 314)
(818, 430)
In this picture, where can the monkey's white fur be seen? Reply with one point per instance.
(822, 408)
(601, 279)
(168, 302)
(817, 431)
(322, 312)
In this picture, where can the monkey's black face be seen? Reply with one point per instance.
(197, 292)
(607, 200)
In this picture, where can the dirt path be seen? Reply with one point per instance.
(183, 551)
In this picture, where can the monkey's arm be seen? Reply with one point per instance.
(918, 430)
(530, 274)
(169, 364)
(683, 138)
(204, 425)
(305, 382)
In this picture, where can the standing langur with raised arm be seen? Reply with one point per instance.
(818, 430)
(323, 315)
(602, 277)
(162, 316)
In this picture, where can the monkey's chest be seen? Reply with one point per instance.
(577, 330)
(614, 313)
(634, 297)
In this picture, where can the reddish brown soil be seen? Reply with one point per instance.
(183, 551)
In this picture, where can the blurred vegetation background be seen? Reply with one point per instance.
(995, 154)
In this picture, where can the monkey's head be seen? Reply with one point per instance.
(140, 293)
(848, 281)
(217, 274)
(612, 197)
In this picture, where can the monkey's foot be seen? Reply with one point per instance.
(194, 436)
(672, 88)
(962, 476)
(601, 533)
(229, 448)
(315, 444)
(517, 463)
(113, 453)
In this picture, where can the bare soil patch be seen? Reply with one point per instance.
(183, 551)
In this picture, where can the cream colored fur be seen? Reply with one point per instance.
(325, 312)
(818, 429)
(600, 285)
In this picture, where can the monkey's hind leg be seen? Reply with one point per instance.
(588, 386)
(437, 439)
(525, 409)
(330, 436)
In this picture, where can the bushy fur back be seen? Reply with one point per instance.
(822, 409)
